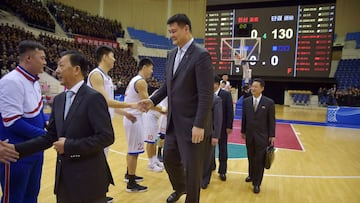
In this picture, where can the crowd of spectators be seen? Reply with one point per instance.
(31, 11)
(10, 36)
(75, 21)
(348, 97)
(125, 66)
(339, 97)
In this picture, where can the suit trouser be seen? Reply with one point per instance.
(63, 197)
(209, 155)
(256, 159)
(223, 153)
(183, 162)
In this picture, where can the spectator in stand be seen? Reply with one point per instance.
(321, 96)
(76, 21)
(32, 12)
(348, 97)
(4, 71)
(331, 97)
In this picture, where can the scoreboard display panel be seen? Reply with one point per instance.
(296, 40)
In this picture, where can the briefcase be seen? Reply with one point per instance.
(269, 157)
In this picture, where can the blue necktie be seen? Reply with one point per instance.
(177, 60)
(69, 94)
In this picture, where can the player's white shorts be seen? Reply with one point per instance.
(134, 135)
(151, 124)
(163, 123)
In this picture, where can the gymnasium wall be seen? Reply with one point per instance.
(347, 17)
(149, 15)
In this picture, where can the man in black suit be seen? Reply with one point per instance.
(212, 140)
(226, 127)
(79, 136)
(258, 128)
(189, 88)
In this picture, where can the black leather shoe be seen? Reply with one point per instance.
(222, 177)
(204, 186)
(256, 189)
(175, 196)
(248, 179)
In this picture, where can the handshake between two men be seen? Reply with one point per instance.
(9, 154)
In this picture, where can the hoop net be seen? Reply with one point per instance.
(238, 58)
(331, 116)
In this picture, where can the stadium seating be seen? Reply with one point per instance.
(348, 73)
(300, 97)
(159, 67)
(353, 36)
(152, 40)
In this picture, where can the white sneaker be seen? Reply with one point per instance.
(158, 163)
(154, 167)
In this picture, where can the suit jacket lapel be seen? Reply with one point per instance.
(185, 59)
(172, 56)
(220, 92)
(60, 107)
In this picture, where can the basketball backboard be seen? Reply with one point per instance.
(240, 49)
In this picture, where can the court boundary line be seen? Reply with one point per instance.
(298, 176)
(265, 174)
(297, 137)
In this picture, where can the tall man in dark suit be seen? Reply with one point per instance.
(189, 88)
(226, 127)
(79, 136)
(258, 128)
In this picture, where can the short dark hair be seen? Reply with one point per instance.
(77, 59)
(180, 19)
(261, 81)
(217, 79)
(101, 51)
(29, 45)
(145, 62)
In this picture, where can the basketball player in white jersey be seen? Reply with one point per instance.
(136, 91)
(162, 128)
(152, 121)
(99, 80)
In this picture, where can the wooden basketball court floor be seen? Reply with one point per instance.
(327, 170)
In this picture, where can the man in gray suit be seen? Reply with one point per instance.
(189, 88)
(258, 128)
